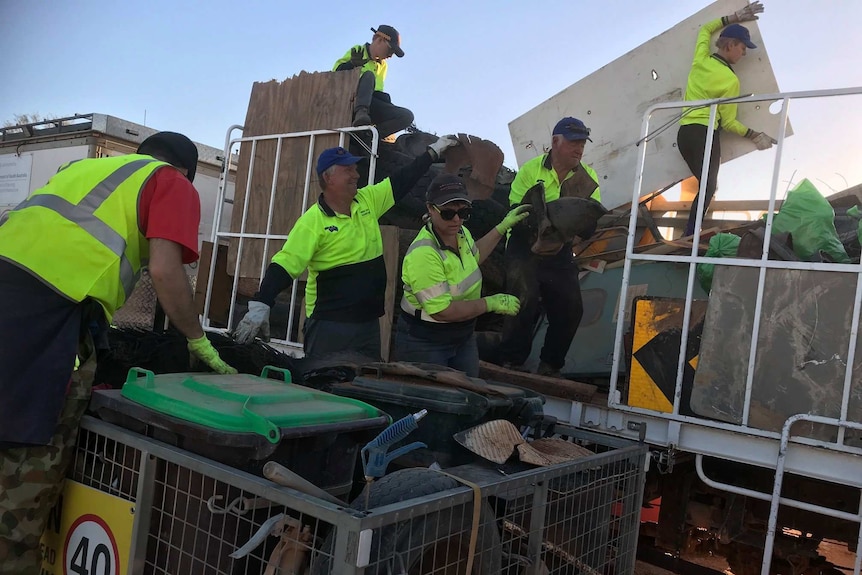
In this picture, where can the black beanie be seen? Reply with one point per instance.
(173, 148)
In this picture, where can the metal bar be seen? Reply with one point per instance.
(779, 478)
(819, 509)
(272, 190)
(613, 392)
(692, 267)
(143, 511)
(761, 277)
(758, 98)
(740, 262)
(217, 215)
(245, 203)
(851, 359)
(309, 161)
(537, 531)
(631, 517)
(857, 563)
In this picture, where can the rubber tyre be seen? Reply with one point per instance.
(397, 538)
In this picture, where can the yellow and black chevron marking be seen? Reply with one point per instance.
(656, 335)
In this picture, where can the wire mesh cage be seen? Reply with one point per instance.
(193, 515)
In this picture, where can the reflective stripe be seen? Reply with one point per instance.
(67, 164)
(83, 214)
(426, 243)
(408, 307)
(437, 290)
(474, 249)
(465, 284)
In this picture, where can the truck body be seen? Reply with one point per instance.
(31, 153)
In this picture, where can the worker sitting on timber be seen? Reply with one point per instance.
(372, 105)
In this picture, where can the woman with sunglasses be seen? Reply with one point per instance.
(443, 282)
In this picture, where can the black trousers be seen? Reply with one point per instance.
(555, 281)
(388, 117)
(323, 337)
(691, 141)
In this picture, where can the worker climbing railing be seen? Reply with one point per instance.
(239, 238)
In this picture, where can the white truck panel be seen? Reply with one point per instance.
(29, 171)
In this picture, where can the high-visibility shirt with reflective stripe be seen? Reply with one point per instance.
(376, 67)
(711, 77)
(343, 255)
(79, 233)
(434, 277)
(539, 168)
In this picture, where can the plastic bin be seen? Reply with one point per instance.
(450, 410)
(244, 421)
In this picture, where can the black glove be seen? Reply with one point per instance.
(357, 57)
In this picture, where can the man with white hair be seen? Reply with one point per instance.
(553, 278)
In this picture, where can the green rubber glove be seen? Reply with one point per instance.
(202, 349)
(503, 303)
(512, 219)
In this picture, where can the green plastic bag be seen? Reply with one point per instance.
(810, 220)
(720, 246)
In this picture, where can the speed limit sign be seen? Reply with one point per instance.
(90, 548)
(89, 532)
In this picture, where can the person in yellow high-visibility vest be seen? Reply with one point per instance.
(70, 255)
(712, 77)
(443, 282)
(552, 279)
(371, 104)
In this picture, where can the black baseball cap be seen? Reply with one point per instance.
(392, 36)
(175, 149)
(447, 188)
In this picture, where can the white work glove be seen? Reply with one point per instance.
(761, 140)
(256, 320)
(442, 144)
(746, 14)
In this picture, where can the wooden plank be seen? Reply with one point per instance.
(393, 277)
(562, 388)
(307, 101)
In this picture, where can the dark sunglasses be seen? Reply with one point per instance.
(448, 214)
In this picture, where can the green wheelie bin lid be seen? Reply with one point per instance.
(241, 403)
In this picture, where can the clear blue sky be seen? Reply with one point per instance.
(470, 66)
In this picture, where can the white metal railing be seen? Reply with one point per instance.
(785, 440)
(286, 344)
(693, 259)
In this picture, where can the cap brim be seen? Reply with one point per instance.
(349, 161)
(448, 199)
(397, 51)
(575, 137)
(750, 45)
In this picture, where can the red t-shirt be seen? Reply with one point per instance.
(170, 209)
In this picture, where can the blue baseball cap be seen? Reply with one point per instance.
(572, 129)
(738, 32)
(335, 157)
